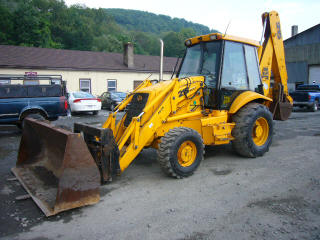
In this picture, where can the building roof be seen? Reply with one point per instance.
(47, 58)
(309, 36)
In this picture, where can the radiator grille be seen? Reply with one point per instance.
(136, 106)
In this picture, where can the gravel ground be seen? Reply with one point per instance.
(276, 196)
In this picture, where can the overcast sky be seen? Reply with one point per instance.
(244, 15)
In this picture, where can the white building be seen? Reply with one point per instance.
(95, 72)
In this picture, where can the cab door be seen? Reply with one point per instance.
(240, 72)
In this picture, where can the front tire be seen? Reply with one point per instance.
(180, 152)
(253, 130)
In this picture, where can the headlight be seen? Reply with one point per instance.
(213, 37)
(188, 43)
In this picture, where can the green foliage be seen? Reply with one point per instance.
(51, 24)
(174, 42)
(31, 26)
(6, 26)
(150, 22)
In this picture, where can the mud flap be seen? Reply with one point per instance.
(56, 168)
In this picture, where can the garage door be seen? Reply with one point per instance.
(314, 74)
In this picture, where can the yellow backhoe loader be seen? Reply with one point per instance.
(223, 92)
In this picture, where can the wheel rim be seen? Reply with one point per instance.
(187, 153)
(260, 131)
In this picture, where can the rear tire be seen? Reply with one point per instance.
(180, 152)
(36, 116)
(95, 112)
(253, 130)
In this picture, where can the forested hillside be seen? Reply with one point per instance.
(52, 24)
(153, 23)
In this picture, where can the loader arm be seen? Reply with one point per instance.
(142, 128)
(272, 59)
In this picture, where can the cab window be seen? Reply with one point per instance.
(253, 68)
(234, 74)
(191, 64)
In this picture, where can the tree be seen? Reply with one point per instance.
(174, 42)
(107, 43)
(50, 23)
(30, 27)
(6, 26)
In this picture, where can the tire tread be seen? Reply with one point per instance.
(243, 119)
(164, 151)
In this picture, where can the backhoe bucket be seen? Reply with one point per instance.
(56, 168)
(283, 111)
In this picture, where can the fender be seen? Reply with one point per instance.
(30, 108)
(245, 98)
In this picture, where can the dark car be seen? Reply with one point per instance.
(307, 95)
(111, 99)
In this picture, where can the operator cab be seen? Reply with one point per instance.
(228, 64)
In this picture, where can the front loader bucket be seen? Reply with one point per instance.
(56, 168)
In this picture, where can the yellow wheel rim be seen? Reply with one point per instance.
(260, 131)
(187, 153)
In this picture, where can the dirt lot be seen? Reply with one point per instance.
(273, 197)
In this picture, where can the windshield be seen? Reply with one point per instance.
(82, 95)
(202, 60)
(119, 94)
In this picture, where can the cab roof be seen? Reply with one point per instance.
(218, 36)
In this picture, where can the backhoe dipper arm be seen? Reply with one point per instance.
(272, 59)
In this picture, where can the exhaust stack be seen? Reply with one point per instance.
(161, 61)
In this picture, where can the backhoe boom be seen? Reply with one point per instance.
(272, 62)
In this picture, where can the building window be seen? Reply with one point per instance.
(85, 85)
(136, 83)
(112, 85)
